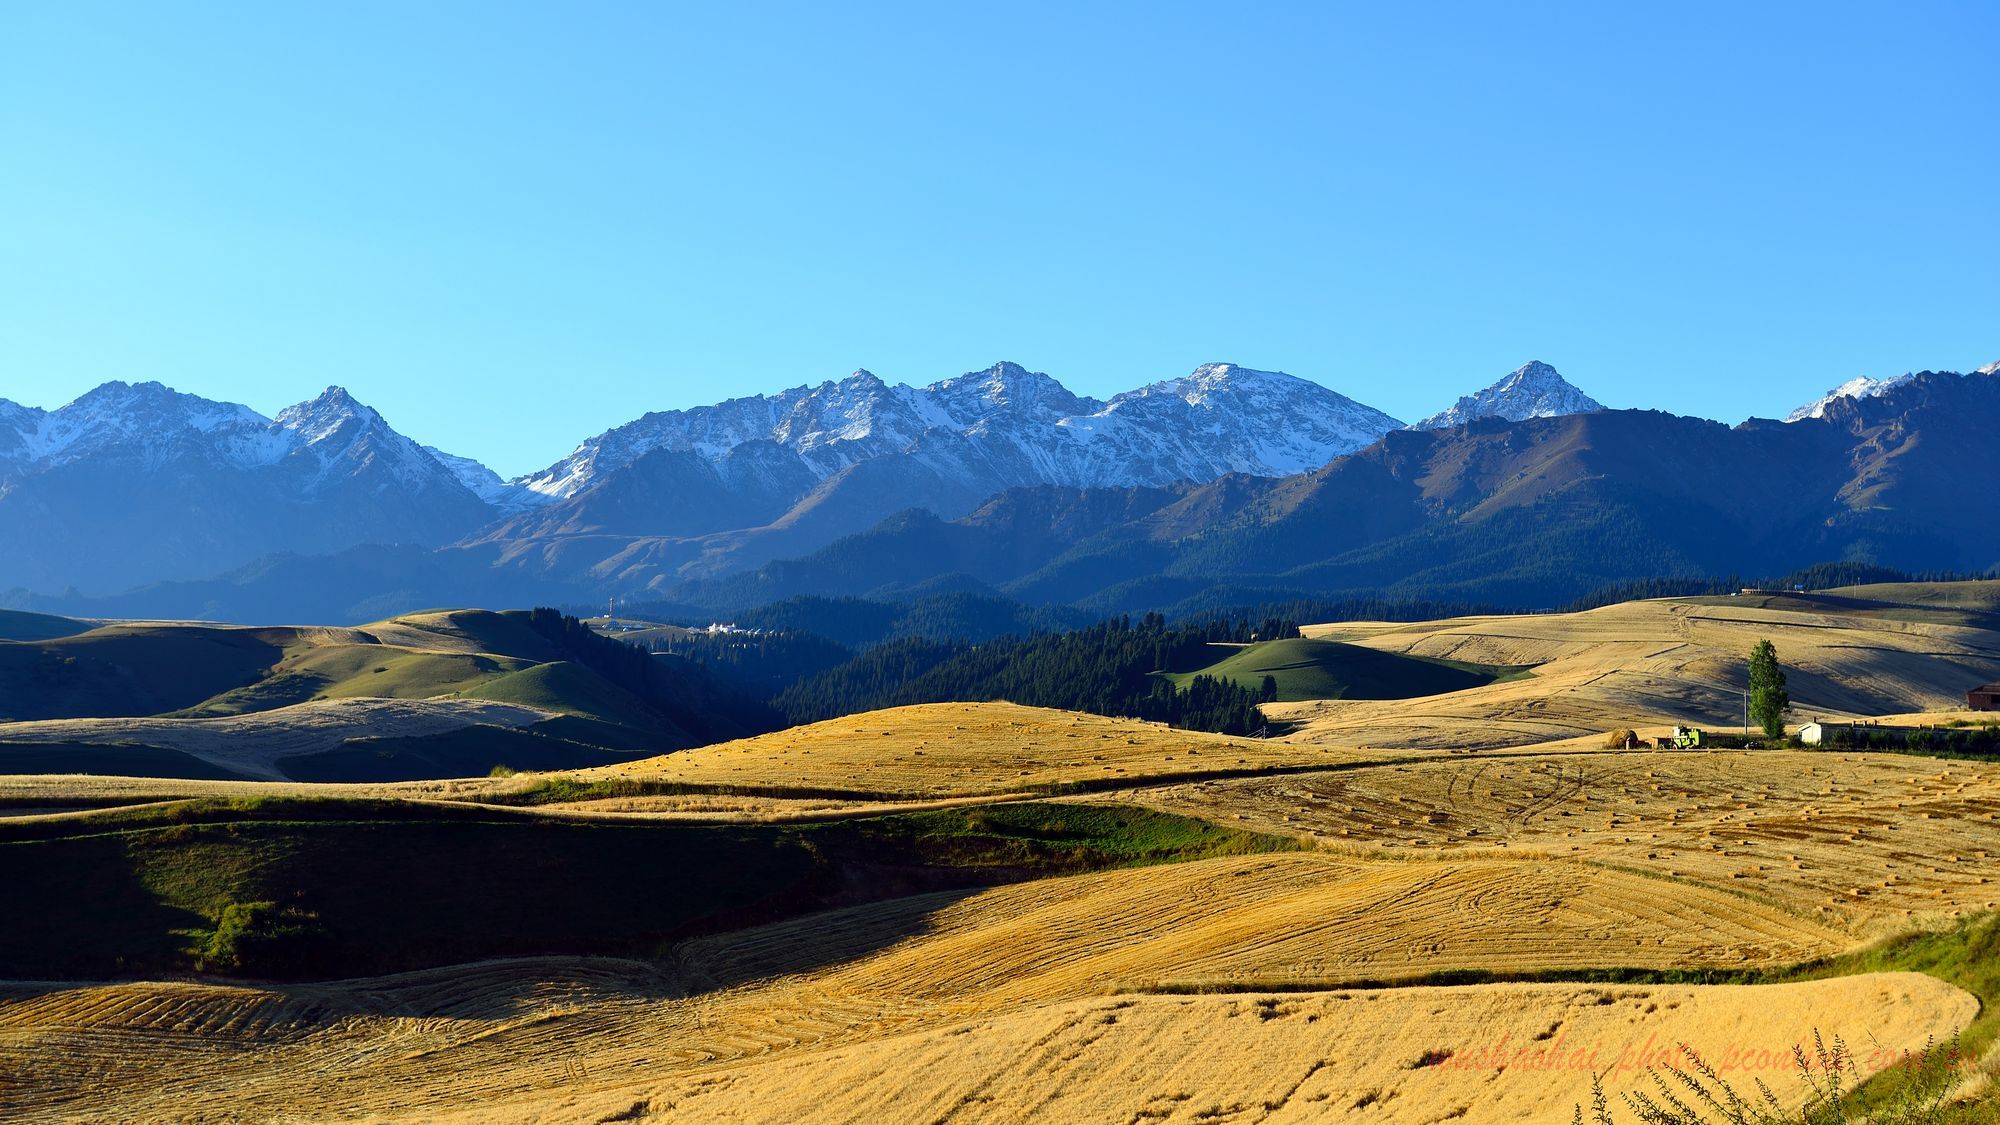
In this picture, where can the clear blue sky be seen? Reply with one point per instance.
(510, 226)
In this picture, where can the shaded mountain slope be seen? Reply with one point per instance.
(570, 697)
(1532, 512)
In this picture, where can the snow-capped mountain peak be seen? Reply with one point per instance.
(1219, 378)
(1859, 387)
(319, 419)
(975, 395)
(337, 437)
(1224, 418)
(1532, 390)
(1218, 382)
(324, 475)
(147, 421)
(1990, 369)
(1006, 425)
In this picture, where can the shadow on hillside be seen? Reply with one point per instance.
(499, 988)
(62, 910)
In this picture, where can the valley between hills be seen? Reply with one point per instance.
(284, 880)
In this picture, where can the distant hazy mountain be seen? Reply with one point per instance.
(1227, 482)
(720, 488)
(1005, 426)
(139, 483)
(1526, 513)
(1533, 390)
(131, 485)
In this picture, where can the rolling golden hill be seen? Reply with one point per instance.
(1862, 651)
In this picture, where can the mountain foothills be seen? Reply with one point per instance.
(1230, 485)
(436, 694)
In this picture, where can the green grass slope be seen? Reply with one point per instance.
(609, 700)
(361, 672)
(1321, 669)
(566, 688)
(123, 670)
(499, 633)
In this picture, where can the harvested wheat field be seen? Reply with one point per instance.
(465, 1038)
(1862, 841)
(1861, 652)
(1446, 835)
(747, 808)
(1500, 1053)
(966, 749)
(1293, 917)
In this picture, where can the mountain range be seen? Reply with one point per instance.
(135, 483)
(138, 499)
(1525, 514)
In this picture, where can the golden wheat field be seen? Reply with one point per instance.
(1483, 832)
(967, 749)
(1477, 1054)
(421, 1043)
(1865, 841)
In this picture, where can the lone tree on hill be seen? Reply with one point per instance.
(1268, 691)
(1768, 698)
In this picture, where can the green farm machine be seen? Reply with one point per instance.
(1687, 738)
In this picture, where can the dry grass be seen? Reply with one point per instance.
(1502, 1053)
(462, 1038)
(1655, 663)
(728, 808)
(1863, 841)
(966, 749)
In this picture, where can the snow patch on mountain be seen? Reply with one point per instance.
(508, 496)
(146, 421)
(1532, 390)
(334, 436)
(1859, 387)
(138, 427)
(1007, 426)
(975, 396)
(1222, 418)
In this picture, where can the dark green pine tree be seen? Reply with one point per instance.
(1269, 693)
(1768, 698)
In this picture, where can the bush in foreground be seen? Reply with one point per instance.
(1698, 1095)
